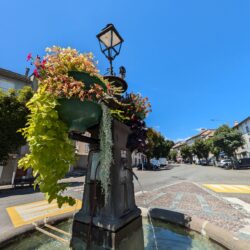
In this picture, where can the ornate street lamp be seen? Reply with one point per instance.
(110, 43)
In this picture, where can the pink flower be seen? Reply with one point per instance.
(29, 56)
(36, 73)
(43, 64)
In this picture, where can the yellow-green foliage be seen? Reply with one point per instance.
(51, 152)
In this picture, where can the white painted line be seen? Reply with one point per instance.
(35, 208)
(33, 215)
(243, 204)
(36, 204)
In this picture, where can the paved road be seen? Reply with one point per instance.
(192, 173)
(149, 180)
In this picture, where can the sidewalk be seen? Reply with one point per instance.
(193, 200)
(74, 176)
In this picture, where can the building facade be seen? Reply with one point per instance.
(244, 128)
(12, 80)
(204, 135)
(138, 158)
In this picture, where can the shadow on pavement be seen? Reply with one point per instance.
(18, 191)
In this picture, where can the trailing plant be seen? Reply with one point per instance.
(51, 152)
(105, 149)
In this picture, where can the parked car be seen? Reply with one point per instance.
(203, 162)
(163, 162)
(225, 163)
(243, 163)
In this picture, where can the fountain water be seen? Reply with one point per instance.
(147, 206)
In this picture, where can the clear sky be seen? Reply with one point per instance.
(191, 58)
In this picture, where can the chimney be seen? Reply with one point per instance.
(27, 70)
(236, 123)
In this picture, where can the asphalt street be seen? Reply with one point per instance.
(149, 180)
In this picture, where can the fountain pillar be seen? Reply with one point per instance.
(116, 223)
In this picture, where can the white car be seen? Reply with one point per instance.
(225, 163)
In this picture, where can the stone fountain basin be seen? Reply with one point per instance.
(166, 223)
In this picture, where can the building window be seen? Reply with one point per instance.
(86, 148)
(247, 129)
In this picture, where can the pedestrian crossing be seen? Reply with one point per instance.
(28, 213)
(224, 188)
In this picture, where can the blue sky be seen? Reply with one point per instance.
(191, 58)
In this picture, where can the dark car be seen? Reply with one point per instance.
(243, 163)
(203, 162)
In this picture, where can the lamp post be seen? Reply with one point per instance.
(110, 43)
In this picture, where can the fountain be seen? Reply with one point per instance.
(108, 224)
(107, 220)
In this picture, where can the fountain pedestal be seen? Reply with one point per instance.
(107, 225)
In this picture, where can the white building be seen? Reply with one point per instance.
(244, 128)
(138, 158)
(9, 79)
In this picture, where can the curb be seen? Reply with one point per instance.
(204, 227)
(8, 237)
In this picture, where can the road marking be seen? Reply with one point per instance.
(28, 213)
(176, 201)
(236, 201)
(221, 188)
(203, 203)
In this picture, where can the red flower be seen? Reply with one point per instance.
(36, 73)
(29, 56)
(43, 63)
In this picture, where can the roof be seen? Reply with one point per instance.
(203, 133)
(235, 126)
(14, 75)
(178, 144)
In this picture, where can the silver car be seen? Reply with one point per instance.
(225, 163)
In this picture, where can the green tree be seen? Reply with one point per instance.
(213, 149)
(157, 146)
(227, 140)
(187, 153)
(173, 155)
(201, 149)
(13, 116)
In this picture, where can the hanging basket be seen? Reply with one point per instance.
(87, 79)
(79, 115)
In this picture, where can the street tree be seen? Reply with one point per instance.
(173, 155)
(13, 116)
(157, 145)
(187, 153)
(227, 140)
(213, 149)
(201, 149)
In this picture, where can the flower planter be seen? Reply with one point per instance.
(79, 115)
(118, 82)
(87, 79)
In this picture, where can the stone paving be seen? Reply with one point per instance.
(193, 200)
